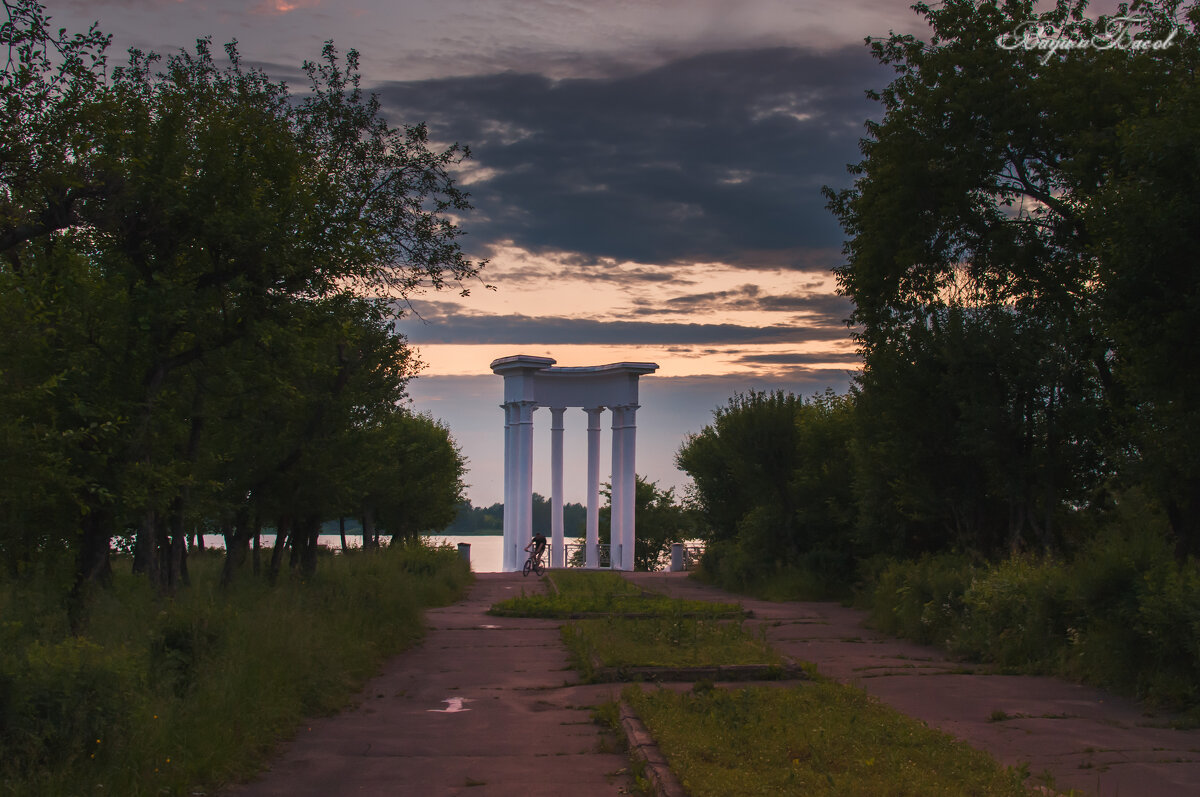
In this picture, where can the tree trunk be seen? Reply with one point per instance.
(370, 541)
(93, 564)
(176, 569)
(145, 549)
(283, 528)
(1184, 517)
(342, 531)
(257, 547)
(237, 538)
(308, 533)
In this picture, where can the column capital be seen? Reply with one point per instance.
(522, 410)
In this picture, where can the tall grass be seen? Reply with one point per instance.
(1121, 613)
(165, 696)
(591, 593)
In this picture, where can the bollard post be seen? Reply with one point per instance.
(676, 557)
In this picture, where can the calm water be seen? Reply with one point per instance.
(487, 551)
(487, 554)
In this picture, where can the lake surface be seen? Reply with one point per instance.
(487, 551)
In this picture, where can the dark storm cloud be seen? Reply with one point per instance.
(823, 308)
(585, 269)
(521, 330)
(715, 157)
(849, 358)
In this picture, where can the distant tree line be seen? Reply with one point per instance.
(199, 276)
(490, 520)
(660, 520)
(1022, 250)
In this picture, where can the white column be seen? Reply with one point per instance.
(629, 473)
(524, 432)
(593, 486)
(616, 515)
(510, 561)
(557, 559)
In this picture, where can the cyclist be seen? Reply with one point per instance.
(537, 545)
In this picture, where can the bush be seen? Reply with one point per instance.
(1122, 613)
(161, 696)
(63, 703)
(1016, 614)
(921, 599)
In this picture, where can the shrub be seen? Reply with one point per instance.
(1016, 614)
(922, 599)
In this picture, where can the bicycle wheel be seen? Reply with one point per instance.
(528, 566)
(539, 567)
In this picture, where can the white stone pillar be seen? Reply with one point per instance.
(629, 474)
(616, 515)
(524, 433)
(510, 561)
(557, 559)
(592, 557)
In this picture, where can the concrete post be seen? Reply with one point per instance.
(629, 485)
(557, 558)
(510, 488)
(525, 471)
(592, 556)
(616, 515)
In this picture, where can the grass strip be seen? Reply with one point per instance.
(669, 641)
(821, 738)
(591, 594)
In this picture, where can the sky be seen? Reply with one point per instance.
(647, 180)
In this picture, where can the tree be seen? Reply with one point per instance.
(197, 212)
(660, 522)
(998, 187)
(772, 483)
(416, 483)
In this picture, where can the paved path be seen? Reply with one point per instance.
(524, 728)
(1088, 740)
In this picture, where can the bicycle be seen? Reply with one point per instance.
(534, 564)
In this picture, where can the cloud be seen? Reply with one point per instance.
(517, 329)
(817, 307)
(715, 157)
(278, 7)
(850, 358)
(514, 266)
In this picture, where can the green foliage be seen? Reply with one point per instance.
(413, 473)
(773, 476)
(920, 599)
(673, 640)
(1121, 613)
(170, 696)
(1015, 613)
(1021, 257)
(818, 739)
(199, 277)
(661, 521)
(589, 593)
